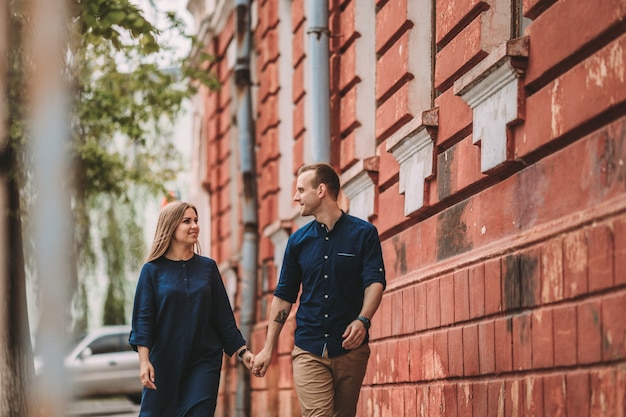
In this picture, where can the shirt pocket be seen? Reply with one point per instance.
(346, 262)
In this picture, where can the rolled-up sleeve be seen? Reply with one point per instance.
(373, 265)
(288, 285)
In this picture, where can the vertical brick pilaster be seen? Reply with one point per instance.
(420, 306)
(533, 395)
(461, 296)
(480, 399)
(600, 258)
(619, 250)
(486, 348)
(614, 326)
(565, 348)
(543, 339)
(416, 359)
(589, 332)
(470, 351)
(554, 388)
(440, 354)
(577, 394)
(464, 400)
(575, 264)
(493, 286)
(476, 288)
(552, 271)
(446, 291)
(522, 342)
(455, 347)
(503, 328)
(433, 305)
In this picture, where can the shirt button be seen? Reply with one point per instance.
(325, 295)
(327, 238)
(325, 275)
(325, 316)
(326, 335)
(325, 256)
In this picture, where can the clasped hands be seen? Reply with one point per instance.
(353, 337)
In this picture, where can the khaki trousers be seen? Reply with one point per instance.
(329, 387)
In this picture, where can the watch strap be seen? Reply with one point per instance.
(366, 322)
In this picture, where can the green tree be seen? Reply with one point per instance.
(127, 89)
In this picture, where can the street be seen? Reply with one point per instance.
(110, 407)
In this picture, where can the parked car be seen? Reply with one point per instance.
(104, 364)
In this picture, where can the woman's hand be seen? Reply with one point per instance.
(146, 370)
(261, 362)
(146, 374)
(248, 359)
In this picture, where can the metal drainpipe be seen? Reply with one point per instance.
(317, 16)
(249, 250)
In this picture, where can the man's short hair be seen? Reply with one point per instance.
(324, 174)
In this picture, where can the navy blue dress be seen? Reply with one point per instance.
(183, 315)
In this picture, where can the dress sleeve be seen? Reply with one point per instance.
(143, 311)
(223, 317)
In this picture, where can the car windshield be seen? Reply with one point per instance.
(110, 343)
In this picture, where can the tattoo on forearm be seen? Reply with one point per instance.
(281, 317)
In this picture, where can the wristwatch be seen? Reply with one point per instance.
(243, 352)
(366, 322)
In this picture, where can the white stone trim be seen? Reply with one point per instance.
(414, 153)
(494, 91)
(361, 191)
(279, 236)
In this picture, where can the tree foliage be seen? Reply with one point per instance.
(128, 86)
(128, 91)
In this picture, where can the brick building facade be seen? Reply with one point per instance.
(486, 140)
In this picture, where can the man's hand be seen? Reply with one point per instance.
(354, 335)
(261, 362)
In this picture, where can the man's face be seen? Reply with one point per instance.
(307, 196)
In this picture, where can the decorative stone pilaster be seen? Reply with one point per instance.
(414, 151)
(278, 232)
(494, 90)
(360, 189)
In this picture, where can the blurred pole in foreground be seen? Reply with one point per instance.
(48, 105)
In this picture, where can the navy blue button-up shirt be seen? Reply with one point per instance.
(334, 268)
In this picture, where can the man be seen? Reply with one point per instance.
(337, 260)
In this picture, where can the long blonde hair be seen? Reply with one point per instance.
(169, 218)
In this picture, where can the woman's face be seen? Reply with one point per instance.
(188, 229)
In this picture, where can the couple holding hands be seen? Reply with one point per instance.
(183, 321)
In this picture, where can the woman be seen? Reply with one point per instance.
(182, 321)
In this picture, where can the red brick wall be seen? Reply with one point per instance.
(506, 292)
